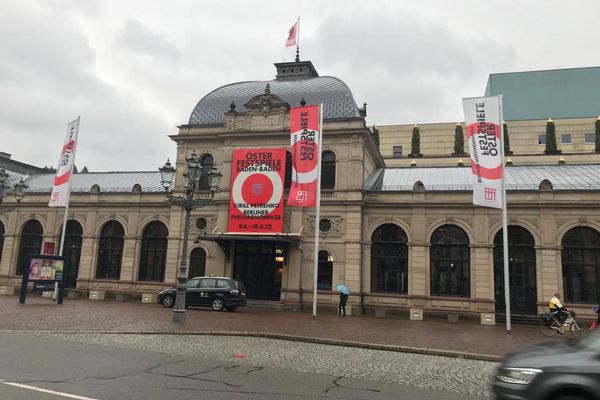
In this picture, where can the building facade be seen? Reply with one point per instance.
(400, 234)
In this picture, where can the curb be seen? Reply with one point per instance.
(294, 338)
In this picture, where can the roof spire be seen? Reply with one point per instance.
(297, 53)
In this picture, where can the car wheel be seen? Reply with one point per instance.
(167, 301)
(232, 308)
(217, 304)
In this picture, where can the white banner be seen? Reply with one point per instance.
(483, 121)
(60, 192)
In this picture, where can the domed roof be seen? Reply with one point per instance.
(335, 95)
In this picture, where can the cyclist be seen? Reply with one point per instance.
(557, 309)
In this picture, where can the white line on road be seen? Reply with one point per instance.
(37, 389)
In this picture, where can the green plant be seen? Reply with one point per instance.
(506, 139)
(415, 145)
(459, 141)
(551, 138)
(597, 124)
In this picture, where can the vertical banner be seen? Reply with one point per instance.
(484, 133)
(60, 192)
(305, 133)
(255, 204)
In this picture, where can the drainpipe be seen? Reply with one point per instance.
(301, 295)
(362, 235)
(362, 264)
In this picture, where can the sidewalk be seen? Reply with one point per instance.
(464, 339)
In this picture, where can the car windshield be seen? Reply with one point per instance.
(590, 343)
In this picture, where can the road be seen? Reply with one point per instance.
(152, 367)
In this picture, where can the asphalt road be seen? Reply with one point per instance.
(107, 367)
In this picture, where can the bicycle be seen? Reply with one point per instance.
(550, 326)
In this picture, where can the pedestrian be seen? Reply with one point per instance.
(595, 324)
(342, 305)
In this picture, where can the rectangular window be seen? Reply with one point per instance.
(397, 152)
(590, 138)
(542, 139)
(565, 138)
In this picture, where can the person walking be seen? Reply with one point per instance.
(342, 304)
(595, 324)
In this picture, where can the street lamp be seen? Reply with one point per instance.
(188, 203)
(18, 190)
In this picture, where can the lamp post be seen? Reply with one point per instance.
(188, 203)
(18, 190)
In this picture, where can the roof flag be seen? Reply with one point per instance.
(292, 39)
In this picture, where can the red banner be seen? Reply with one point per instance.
(305, 133)
(257, 190)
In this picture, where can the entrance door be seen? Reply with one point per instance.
(521, 270)
(256, 267)
(72, 251)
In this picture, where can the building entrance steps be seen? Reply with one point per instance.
(466, 338)
(275, 305)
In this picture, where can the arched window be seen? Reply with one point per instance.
(1, 238)
(110, 251)
(450, 262)
(287, 181)
(207, 162)
(328, 170)
(521, 266)
(581, 265)
(389, 260)
(72, 251)
(197, 262)
(325, 270)
(31, 242)
(154, 252)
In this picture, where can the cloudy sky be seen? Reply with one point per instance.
(134, 69)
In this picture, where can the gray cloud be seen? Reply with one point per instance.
(48, 78)
(408, 72)
(137, 37)
(134, 70)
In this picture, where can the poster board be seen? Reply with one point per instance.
(43, 269)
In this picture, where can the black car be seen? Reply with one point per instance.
(552, 371)
(216, 292)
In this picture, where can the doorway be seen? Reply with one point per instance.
(259, 266)
(521, 267)
(72, 252)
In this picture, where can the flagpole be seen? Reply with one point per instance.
(317, 212)
(298, 40)
(64, 227)
(62, 236)
(504, 222)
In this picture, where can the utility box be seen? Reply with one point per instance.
(416, 314)
(379, 312)
(7, 290)
(122, 296)
(96, 294)
(488, 319)
(149, 298)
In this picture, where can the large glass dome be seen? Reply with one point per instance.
(335, 95)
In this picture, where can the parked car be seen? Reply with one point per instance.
(565, 370)
(215, 292)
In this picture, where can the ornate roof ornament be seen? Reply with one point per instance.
(266, 101)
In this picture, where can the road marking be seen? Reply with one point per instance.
(37, 389)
